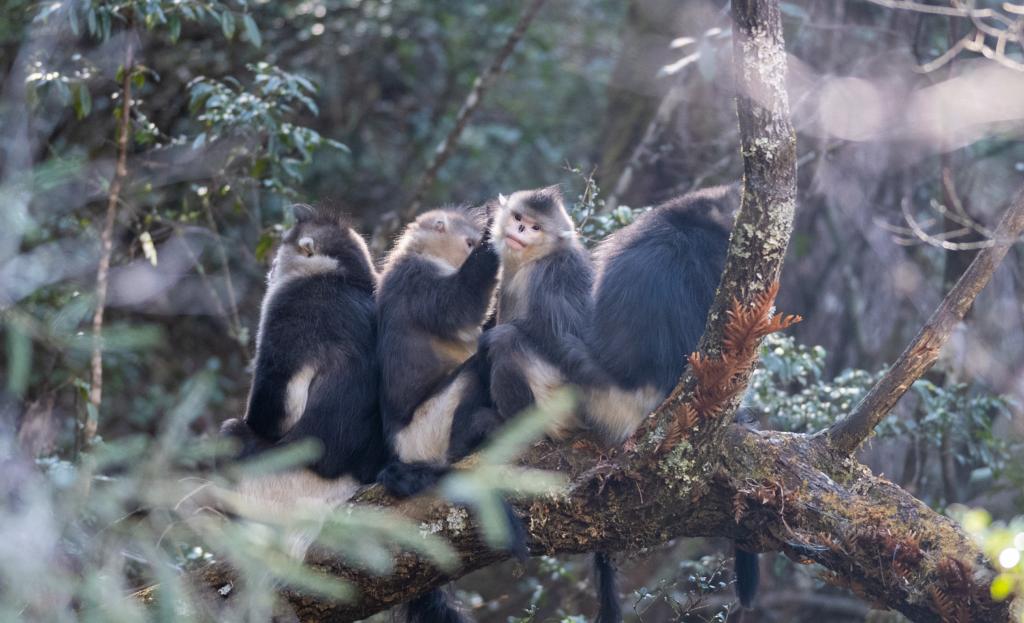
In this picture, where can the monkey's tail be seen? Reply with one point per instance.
(609, 608)
(748, 575)
(404, 480)
(516, 533)
(433, 607)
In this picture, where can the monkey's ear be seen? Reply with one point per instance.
(502, 200)
(302, 212)
(306, 246)
(440, 226)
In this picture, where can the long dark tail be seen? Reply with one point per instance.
(610, 610)
(748, 575)
(404, 480)
(433, 607)
(516, 533)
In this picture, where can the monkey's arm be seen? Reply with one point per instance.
(460, 301)
(265, 413)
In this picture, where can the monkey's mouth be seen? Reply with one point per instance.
(515, 243)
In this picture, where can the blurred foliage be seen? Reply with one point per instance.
(790, 388)
(144, 509)
(1003, 543)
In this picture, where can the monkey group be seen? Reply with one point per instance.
(475, 315)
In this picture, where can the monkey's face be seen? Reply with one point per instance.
(446, 235)
(522, 229)
(530, 223)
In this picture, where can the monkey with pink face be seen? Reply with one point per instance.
(545, 305)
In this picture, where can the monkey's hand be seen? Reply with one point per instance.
(482, 263)
(486, 237)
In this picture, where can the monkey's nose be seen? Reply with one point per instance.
(522, 228)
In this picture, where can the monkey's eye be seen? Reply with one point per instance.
(536, 228)
(517, 216)
(469, 242)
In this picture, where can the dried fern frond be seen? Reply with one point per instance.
(719, 379)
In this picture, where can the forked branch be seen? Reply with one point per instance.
(847, 434)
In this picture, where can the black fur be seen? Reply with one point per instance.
(544, 201)
(418, 303)
(655, 285)
(748, 576)
(326, 320)
(475, 418)
(433, 607)
(404, 480)
(656, 281)
(552, 325)
(610, 610)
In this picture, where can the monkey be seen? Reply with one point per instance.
(544, 305)
(656, 279)
(655, 283)
(436, 291)
(316, 370)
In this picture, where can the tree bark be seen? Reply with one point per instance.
(769, 491)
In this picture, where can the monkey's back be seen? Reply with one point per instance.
(655, 284)
(328, 321)
(412, 361)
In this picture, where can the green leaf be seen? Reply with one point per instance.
(264, 245)
(73, 21)
(527, 428)
(63, 92)
(1002, 586)
(227, 24)
(174, 26)
(252, 31)
(19, 359)
(82, 101)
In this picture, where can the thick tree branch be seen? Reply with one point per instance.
(768, 145)
(764, 222)
(771, 491)
(848, 433)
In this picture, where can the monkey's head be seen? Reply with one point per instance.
(320, 241)
(444, 235)
(531, 223)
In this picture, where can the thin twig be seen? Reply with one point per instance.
(107, 238)
(940, 241)
(921, 7)
(847, 434)
(476, 95)
(652, 135)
